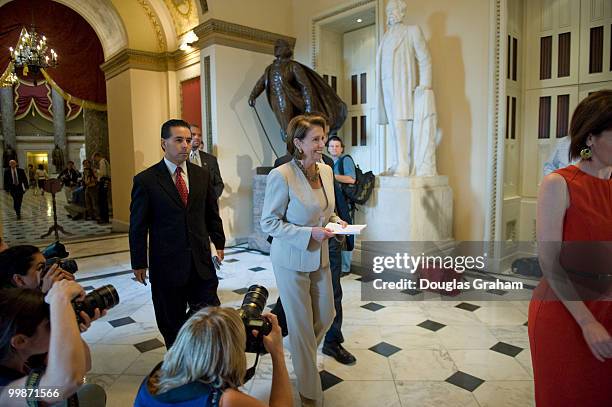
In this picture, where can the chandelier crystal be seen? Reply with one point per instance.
(31, 54)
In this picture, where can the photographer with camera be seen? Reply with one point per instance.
(32, 324)
(207, 364)
(25, 266)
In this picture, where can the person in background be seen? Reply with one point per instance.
(90, 182)
(32, 177)
(15, 183)
(203, 159)
(344, 172)
(70, 178)
(103, 174)
(33, 324)
(570, 313)
(559, 158)
(41, 177)
(190, 376)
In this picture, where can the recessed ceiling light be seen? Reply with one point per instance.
(359, 20)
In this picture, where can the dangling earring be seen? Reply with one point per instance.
(586, 153)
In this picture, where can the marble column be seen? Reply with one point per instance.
(96, 132)
(8, 117)
(59, 123)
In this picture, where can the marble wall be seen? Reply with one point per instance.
(96, 132)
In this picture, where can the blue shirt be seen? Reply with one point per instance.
(349, 166)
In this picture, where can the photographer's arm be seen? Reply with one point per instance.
(68, 357)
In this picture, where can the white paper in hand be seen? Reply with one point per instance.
(348, 230)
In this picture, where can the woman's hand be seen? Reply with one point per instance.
(598, 339)
(65, 290)
(87, 320)
(273, 342)
(319, 234)
(55, 273)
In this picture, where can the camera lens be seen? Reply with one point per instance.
(104, 297)
(255, 301)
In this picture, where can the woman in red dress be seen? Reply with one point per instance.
(570, 314)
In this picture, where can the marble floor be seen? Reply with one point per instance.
(409, 353)
(37, 217)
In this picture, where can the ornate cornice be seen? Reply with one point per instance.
(149, 61)
(162, 45)
(233, 35)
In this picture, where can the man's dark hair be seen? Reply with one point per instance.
(335, 138)
(165, 129)
(21, 311)
(16, 260)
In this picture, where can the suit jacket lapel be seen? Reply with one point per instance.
(196, 184)
(165, 181)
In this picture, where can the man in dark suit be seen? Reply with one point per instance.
(15, 183)
(174, 204)
(203, 159)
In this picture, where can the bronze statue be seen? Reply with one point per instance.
(293, 89)
(57, 157)
(8, 155)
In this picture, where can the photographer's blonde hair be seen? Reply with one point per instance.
(210, 348)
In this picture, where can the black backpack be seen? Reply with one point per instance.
(359, 192)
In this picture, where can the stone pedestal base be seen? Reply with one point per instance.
(408, 209)
(257, 240)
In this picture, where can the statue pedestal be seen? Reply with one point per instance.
(257, 239)
(408, 209)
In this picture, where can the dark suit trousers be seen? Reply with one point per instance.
(17, 200)
(334, 334)
(174, 304)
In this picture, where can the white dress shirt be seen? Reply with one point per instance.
(172, 168)
(194, 158)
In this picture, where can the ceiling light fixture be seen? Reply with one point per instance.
(359, 20)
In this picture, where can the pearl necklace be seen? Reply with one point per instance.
(311, 178)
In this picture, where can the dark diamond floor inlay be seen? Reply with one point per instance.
(465, 381)
(506, 349)
(385, 349)
(372, 306)
(467, 306)
(256, 269)
(328, 380)
(149, 345)
(232, 260)
(121, 321)
(241, 291)
(497, 292)
(431, 325)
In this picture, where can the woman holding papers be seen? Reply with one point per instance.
(299, 201)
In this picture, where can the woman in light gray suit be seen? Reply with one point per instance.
(299, 202)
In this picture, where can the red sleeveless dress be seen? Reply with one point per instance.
(565, 371)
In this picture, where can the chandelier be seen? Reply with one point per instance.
(31, 53)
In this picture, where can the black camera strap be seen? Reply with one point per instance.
(251, 371)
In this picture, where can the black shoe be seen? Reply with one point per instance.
(337, 352)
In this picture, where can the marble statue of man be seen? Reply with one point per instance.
(405, 98)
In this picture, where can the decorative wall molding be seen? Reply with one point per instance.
(149, 61)
(219, 32)
(156, 24)
(497, 96)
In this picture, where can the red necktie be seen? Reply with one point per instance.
(181, 186)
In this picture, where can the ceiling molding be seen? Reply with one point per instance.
(149, 61)
(219, 32)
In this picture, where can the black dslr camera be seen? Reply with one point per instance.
(250, 311)
(56, 253)
(104, 297)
